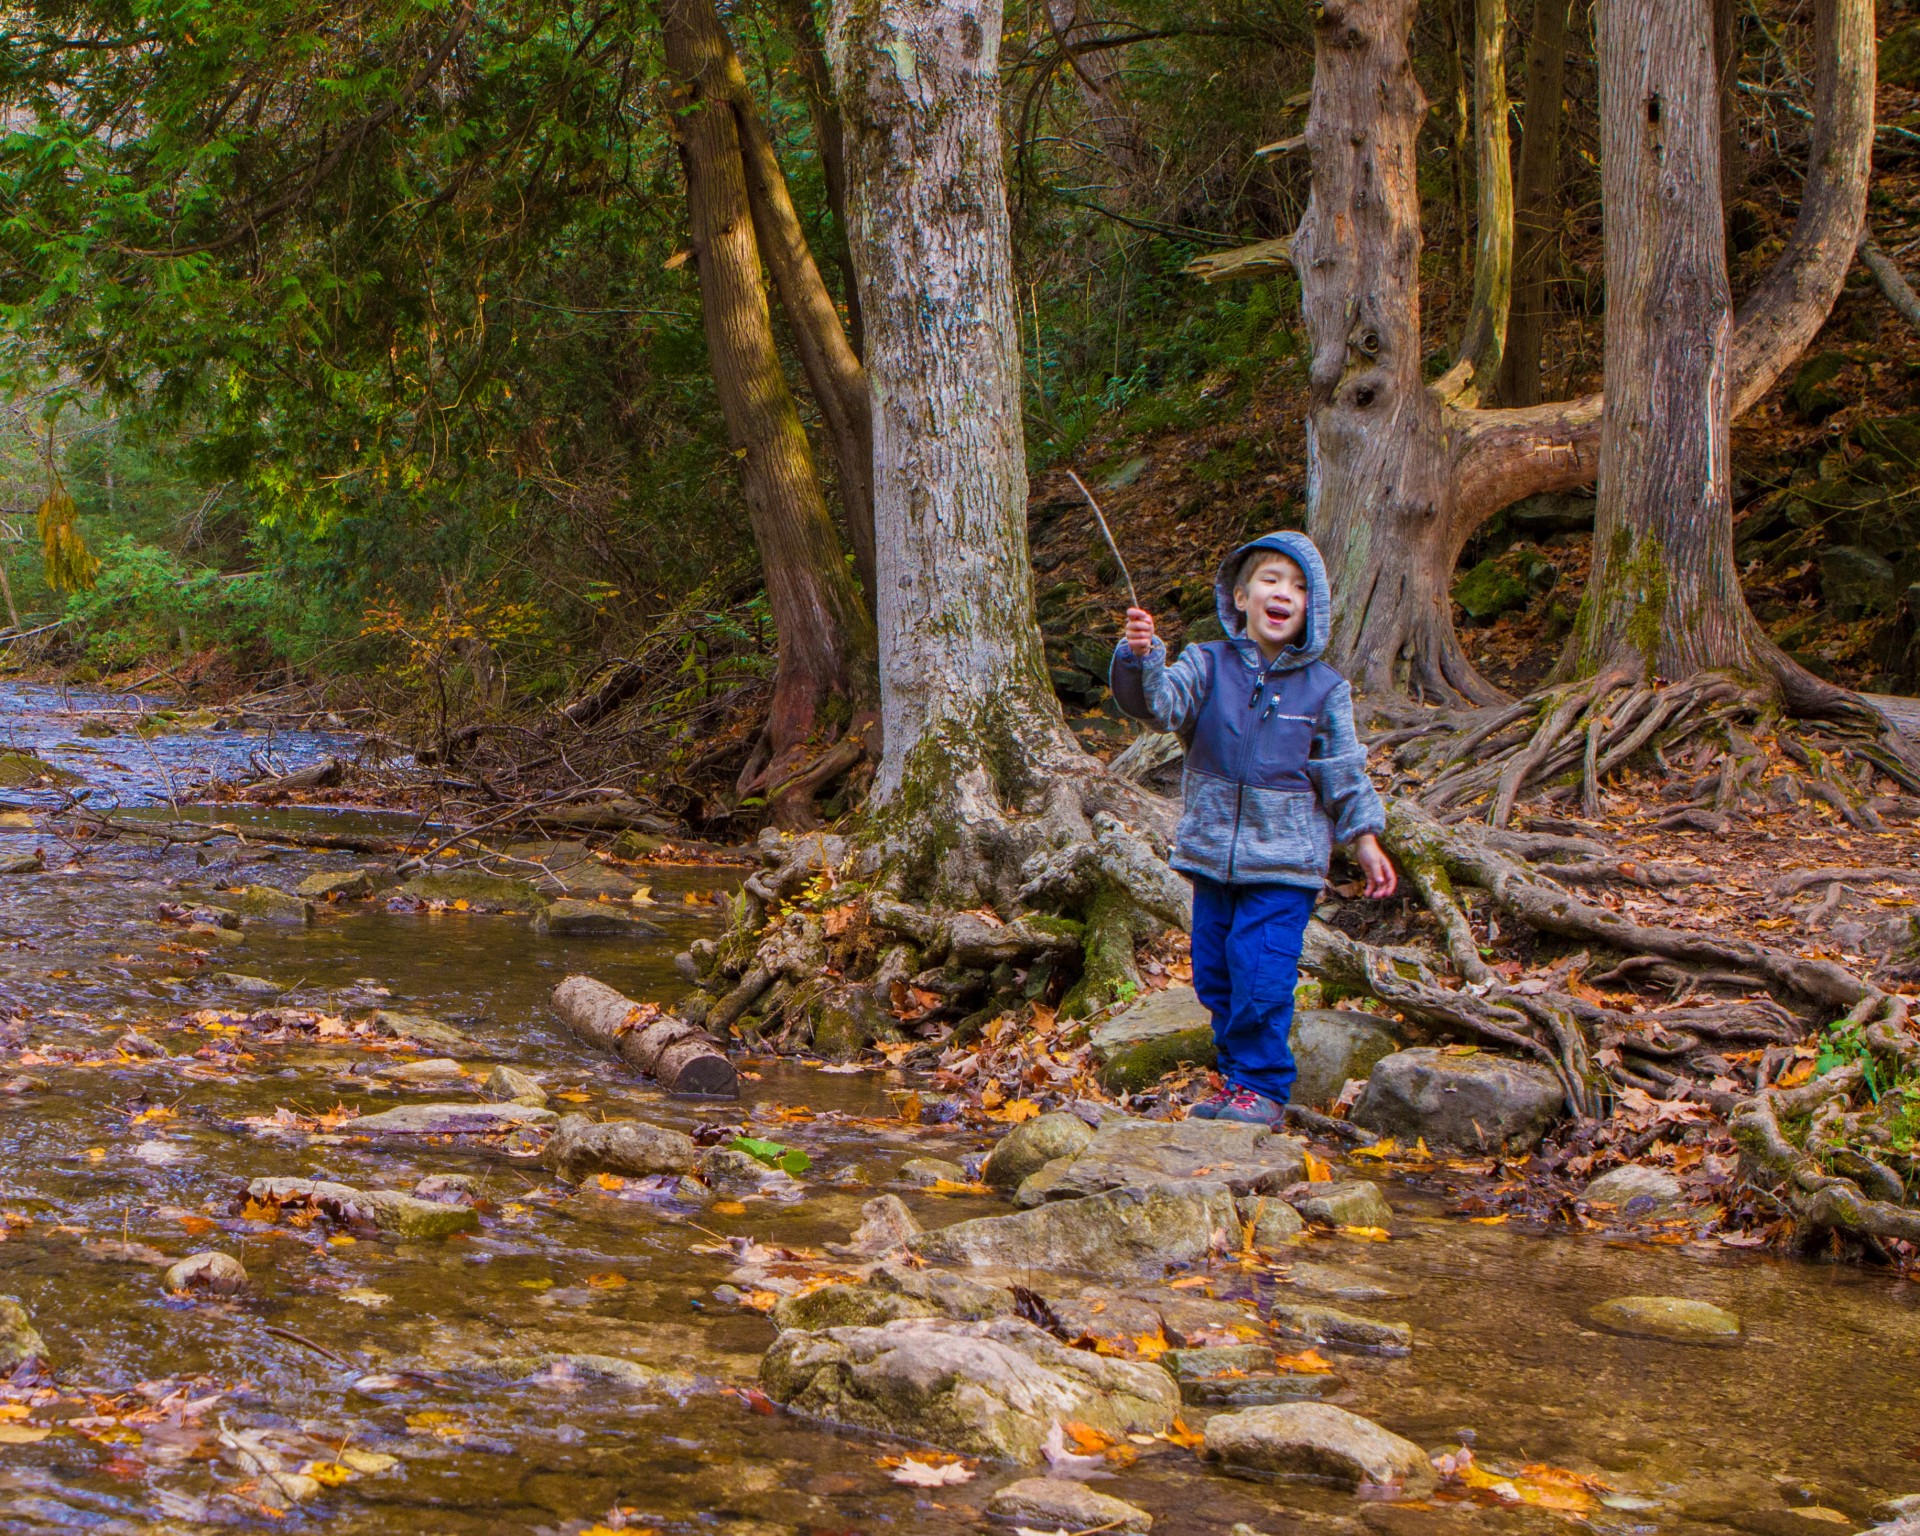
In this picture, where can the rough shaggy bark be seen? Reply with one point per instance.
(1485, 337)
(1665, 589)
(971, 725)
(1399, 474)
(824, 634)
(810, 53)
(1536, 205)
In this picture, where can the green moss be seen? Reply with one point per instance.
(1139, 1067)
(1108, 974)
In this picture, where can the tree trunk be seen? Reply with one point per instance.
(827, 356)
(1726, 68)
(1485, 337)
(1536, 205)
(970, 721)
(1380, 500)
(1097, 74)
(1664, 595)
(830, 138)
(824, 635)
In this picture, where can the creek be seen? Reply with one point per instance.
(100, 1149)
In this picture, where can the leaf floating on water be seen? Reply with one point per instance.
(24, 1434)
(1309, 1362)
(916, 1473)
(365, 1296)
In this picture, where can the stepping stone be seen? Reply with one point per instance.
(1674, 1318)
(1057, 1503)
(1248, 1159)
(1318, 1440)
(448, 1120)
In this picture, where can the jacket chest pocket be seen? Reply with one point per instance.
(1280, 746)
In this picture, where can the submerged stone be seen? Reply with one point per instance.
(993, 1389)
(925, 1172)
(337, 885)
(1319, 1441)
(448, 1120)
(481, 893)
(1330, 1325)
(417, 1026)
(398, 1215)
(505, 1082)
(1058, 1503)
(1674, 1318)
(266, 904)
(19, 1340)
(217, 1274)
(567, 918)
(601, 1370)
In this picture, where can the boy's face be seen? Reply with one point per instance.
(1274, 599)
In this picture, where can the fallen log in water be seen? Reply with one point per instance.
(682, 1057)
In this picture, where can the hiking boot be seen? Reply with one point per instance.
(1253, 1108)
(1209, 1109)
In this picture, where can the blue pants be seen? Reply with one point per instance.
(1246, 959)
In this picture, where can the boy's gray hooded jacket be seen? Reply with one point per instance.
(1275, 771)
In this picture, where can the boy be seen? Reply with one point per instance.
(1275, 775)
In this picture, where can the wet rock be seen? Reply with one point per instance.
(22, 770)
(1476, 1102)
(481, 893)
(19, 1340)
(1330, 1325)
(1123, 1231)
(733, 1173)
(220, 936)
(569, 869)
(447, 1188)
(216, 1274)
(1342, 1203)
(1240, 1376)
(339, 885)
(1216, 1360)
(991, 1389)
(886, 1225)
(1338, 1283)
(1633, 1189)
(448, 1120)
(417, 1026)
(1332, 1045)
(136, 1044)
(248, 986)
(510, 1083)
(1668, 1317)
(566, 917)
(581, 1147)
(1246, 1158)
(924, 1172)
(23, 863)
(890, 1292)
(1273, 1222)
(435, 1071)
(1320, 1441)
(601, 1370)
(265, 904)
(391, 1212)
(1145, 1041)
(1031, 1145)
(1057, 1503)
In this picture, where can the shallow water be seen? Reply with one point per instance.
(1818, 1406)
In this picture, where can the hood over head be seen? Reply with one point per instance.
(1300, 549)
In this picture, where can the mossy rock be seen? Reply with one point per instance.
(265, 904)
(1139, 1067)
(481, 893)
(1808, 394)
(19, 770)
(1489, 590)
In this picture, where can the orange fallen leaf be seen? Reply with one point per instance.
(607, 1280)
(1179, 1434)
(728, 1208)
(1319, 1170)
(760, 1301)
(610, 1181)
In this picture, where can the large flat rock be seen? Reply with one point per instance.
(448, 1120)
(1245, 1158)
(1476, 1101)
(992, 1389)
(1319, 1441)
(1135, 1231)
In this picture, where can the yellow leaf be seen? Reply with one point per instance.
(1367, 1234)
(1821, 1512)
(610, 1181)
(329, 1474)
(1151, 1346)
(462, 905)
(14, 1410)
(1178, 1434)
(1487, 1221)
(96, 1154)
(760, 1301)
(953, 1187)
(1309, 1362)
(342, 1239)
(607, 1281)
(1087, 1440)
(992, 1096)
(1319, 1170)
(728, 1208)
(1380, 1149)
(571, 1097)
(23, 1434)
(1014, 1111)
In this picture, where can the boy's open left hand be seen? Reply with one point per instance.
(1139, 631)
(1382, 879)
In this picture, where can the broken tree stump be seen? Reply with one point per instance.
(681, 1057)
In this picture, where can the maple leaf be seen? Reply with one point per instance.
(920, 1474)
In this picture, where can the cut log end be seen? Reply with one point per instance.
(681, 1057)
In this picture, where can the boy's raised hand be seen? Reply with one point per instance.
(1139, 631)
(1382, 879)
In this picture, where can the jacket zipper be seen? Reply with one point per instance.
(1240, 779)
